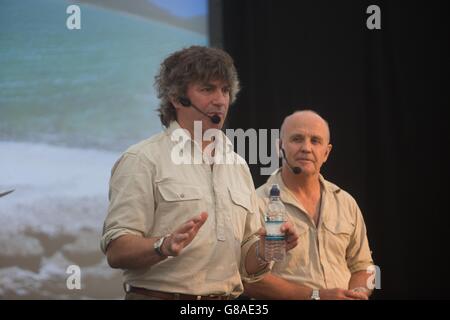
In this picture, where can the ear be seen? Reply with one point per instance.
(174, 101)
(280, 146)
(328, 151)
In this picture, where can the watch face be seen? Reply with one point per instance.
(315, 295)
(157, 246)
(159, 243)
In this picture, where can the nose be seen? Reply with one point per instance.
(305, 146)
(221, 98)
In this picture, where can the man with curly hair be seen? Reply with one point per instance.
(182, 223)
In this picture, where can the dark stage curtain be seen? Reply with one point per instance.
(385, 94)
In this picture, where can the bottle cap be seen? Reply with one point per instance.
(275, 191)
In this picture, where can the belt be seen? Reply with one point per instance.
(174, 296)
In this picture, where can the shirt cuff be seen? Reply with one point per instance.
(113, 234)
(360, 266)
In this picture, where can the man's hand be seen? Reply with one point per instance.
(341, 294)
(181, 237)
(291, 235)
(362, 290)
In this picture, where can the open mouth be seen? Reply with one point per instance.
(215, 114)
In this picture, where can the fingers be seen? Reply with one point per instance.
(204, 215)
(341, 294)
(285, 226)
(289, 229)
(195, 222)
(185, 227)
(291, 244)
(182, 236)
(200, 220)
(362, 296)
(291, 235)
(355, 295)
(261, 232)
(177, 241)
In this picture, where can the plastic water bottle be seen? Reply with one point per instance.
(275, 248)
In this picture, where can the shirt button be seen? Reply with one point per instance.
(182, 195)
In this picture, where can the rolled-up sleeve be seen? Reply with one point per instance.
(358, 254)
(253, 224)
(131, 207)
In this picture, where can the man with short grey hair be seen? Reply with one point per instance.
(332, 258)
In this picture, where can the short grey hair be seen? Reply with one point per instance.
(306, 111)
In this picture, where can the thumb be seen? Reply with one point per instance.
(261, 231)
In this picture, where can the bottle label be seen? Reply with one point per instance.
(275, 238)
(273, 229)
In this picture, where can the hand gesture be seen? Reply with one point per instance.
(183, 235)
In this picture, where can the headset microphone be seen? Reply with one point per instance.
(185, 102)
(295, 170)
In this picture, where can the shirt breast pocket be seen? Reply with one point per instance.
(176, 204)
(338, 235)
(240, 207)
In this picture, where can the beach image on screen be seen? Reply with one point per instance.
(71, 101)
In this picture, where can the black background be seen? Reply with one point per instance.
(385, 94)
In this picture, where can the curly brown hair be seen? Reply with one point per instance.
(193, 64)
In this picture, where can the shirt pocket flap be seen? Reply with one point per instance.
(339, 227)
(176, 192)
(241, 199)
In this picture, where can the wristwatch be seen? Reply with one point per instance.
(315, 295)
(157, 245)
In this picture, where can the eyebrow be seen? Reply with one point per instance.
(205, 84)
(296, 135)
(210, 84)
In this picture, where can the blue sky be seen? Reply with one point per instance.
(183, 8)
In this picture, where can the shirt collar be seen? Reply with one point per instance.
(286, 195)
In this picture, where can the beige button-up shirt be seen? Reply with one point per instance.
(152, 192)
(328, 254)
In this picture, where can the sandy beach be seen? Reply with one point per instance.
(53, 220)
